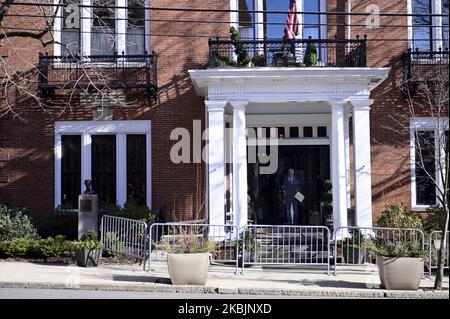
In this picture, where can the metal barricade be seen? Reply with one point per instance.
(434, 246)
(285, 245)
(124, 236)
(349, 247)
(225, 237)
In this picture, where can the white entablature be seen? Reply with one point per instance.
(287, 84)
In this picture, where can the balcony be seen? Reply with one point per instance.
(287, 53)
(94, 73)
(424, 67)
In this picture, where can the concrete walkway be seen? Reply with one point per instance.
(356, 281)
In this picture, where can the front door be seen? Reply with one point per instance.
(311, 164)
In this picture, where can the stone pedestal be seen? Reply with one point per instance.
(87, 214)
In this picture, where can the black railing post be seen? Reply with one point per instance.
(363, 52)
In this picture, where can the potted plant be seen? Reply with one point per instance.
(243, 59)
(310, 58)
(187, 257)
(88, 250)
(353, 247)
(400, 263)
(259, 60)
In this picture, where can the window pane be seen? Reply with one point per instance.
(136, 27)
(445, 28)
(311, 21)
(104, 167)
(322, 131)
(307, 131)
(275, 31)
(421, 25)
(70, 32)
(103, 36)
(136, 168)
(425, 165)
(245, 17)
(293, 132)
(70, 170)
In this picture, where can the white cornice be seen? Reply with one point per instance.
(286, 84)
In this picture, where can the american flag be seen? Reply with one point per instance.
(292, 28)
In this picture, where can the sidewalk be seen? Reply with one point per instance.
(357, 281)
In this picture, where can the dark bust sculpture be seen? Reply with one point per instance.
(88, 185)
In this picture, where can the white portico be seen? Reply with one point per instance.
(242, 96)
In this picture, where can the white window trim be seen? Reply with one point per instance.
(424, 124)
(86, 26)
(88, 128)
(436, 28)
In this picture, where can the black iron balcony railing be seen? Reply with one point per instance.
(288, 53)
(425, 66)
(100, 72)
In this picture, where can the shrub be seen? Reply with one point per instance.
(18, 247)
(435, 219)
(186, 242)
(113, 245)
(53, 247)
(400, 248)
(396, 216)
(88, 240)
(15, 223)
(131, 209)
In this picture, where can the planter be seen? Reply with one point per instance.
(354, 256)
(400, 273)
(188, 269)
(88, 257)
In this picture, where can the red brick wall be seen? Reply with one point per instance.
(27, 151)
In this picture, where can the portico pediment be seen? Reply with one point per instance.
(287, 84)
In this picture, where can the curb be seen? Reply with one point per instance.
(337, 293)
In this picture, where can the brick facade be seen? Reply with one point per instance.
(26, 149)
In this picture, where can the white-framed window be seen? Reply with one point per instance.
(115, 155)
(271, 25)
(101, 27)
(429, 138)
(428, 33)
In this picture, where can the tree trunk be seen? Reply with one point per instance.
(441, 253)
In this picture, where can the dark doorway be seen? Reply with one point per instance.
(311, 164)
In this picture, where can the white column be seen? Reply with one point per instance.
(121, 26)
(338, 179)
(86, 147)
(121, 168)
(347, 155)
(240, 206)
(361, 147)
(58, 158)
(86, 27)
(216, 161)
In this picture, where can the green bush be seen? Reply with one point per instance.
(15, 223)
(113, 245)
(400, 248)
(435, 219)
(53, 247)
(396, 216)
(18, 247)
(88, 240)
(131, 209)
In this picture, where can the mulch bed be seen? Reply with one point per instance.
(70, 260)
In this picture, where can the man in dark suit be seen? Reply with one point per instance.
(290, 188)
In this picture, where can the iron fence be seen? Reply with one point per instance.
(434, 246)
(124, 236)
(98, 72)
(285, 245)
(285, 53)
(350, 242)
(425, 66)
(225, 238)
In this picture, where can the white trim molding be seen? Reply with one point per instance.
(118, 128)
(438, 126)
